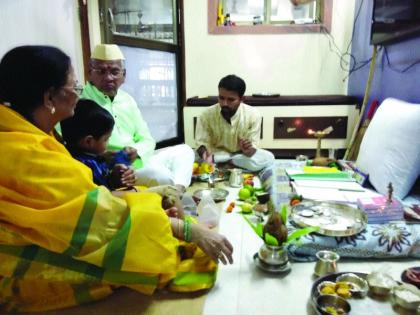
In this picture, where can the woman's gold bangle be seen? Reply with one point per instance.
(179, 233)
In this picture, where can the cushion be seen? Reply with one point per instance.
(390, 149)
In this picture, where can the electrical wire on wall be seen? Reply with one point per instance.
(390, 66)
(352, 65)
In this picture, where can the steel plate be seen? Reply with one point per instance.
(333, 218)
(218, 194)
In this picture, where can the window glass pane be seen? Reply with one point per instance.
(144, 19)
(244, 10)
(152, 81)
(284, 10)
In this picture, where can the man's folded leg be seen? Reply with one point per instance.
(153, 175)
(261, 159)
(178, 160)
(168, 166)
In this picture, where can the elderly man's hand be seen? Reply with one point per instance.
(246, 147)
(131, 153)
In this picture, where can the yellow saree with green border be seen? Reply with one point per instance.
(65, 241)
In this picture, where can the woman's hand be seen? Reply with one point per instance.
(173, 212)
(212, 243)
(171, 197)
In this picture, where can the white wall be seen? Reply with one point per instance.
(277, 63)
(289, 64)
(42, 22)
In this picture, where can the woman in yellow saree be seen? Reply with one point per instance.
(63, 240)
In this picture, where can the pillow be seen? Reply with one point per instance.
(390, 149)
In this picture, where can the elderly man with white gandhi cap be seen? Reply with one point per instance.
(168, 166)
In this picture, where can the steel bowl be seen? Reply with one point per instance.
(324, 284)
(380, 283)
(407, 296)
(325, 301)
(359, 286)
(262, 197)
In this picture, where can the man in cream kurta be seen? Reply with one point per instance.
(230, 130)
(171, 165)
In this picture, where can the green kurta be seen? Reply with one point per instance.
(130, 128)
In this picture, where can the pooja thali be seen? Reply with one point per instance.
(366, 301)
(217, 194)
(332, 218)
(218, 175)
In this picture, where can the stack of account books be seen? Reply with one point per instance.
(379, 210)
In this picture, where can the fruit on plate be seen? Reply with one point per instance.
(196, 167)
(247, 176)
(296, 199)
(246, 207)
(244, 193)
(206, 168)
(249, 182)
(294, 202)
(250, 188)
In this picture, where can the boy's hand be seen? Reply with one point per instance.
(131, 152)
(246, 147)
(128, 177)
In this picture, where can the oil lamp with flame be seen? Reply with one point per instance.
(319, 134)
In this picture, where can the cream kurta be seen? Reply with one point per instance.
(216, 134)
(222, 138)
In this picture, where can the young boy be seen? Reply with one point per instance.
(86, 136)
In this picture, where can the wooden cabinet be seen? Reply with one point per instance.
(286, 120)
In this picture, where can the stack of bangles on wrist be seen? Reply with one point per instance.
(187, 231)
(178, 228)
